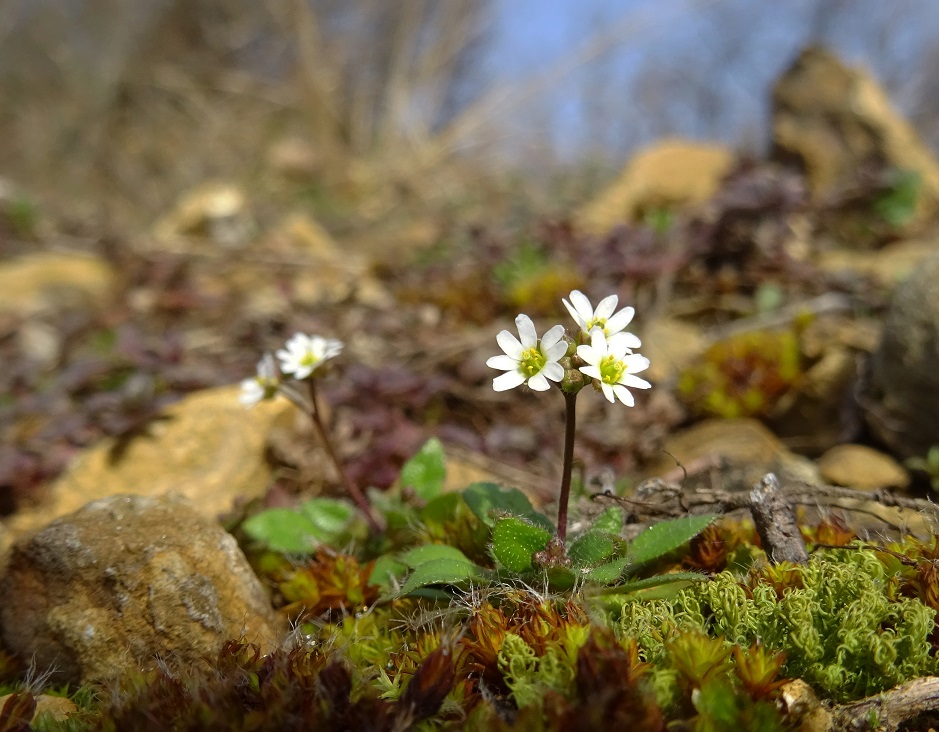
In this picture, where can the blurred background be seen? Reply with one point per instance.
(111, 108)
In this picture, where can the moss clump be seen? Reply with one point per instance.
(744, 375)
(837, 620)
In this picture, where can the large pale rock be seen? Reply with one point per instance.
(207, 447)
(860, 466)
(740, 451)
(833, 119)
(127, 582)
(52, 281)
(902, 396)
(670, 173)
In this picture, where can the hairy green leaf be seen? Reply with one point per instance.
(610, 521)
(425, 472)
(440, 572)
(665, 537)
(514, 540)
(431, 552)
(283, 530)
(331, 517)
(490, 502)
(387, 572)
(590, 548)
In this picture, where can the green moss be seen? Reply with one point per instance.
(835, 622)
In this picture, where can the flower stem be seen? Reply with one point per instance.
(569, 424)
(351, 488)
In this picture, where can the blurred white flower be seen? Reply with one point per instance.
(602, 317)
(303, 354)
(612, 365)
(263, 385)
(528, 360)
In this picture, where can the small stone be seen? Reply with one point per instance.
(668, 174)
(127, 582)
(862, 467)
(49, 282)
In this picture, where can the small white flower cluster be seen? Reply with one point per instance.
(609, 356)
(300, 357)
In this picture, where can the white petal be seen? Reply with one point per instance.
(606, 307)
(582, 306)
(634, 381)
(574, 314)
(538, 382)
(251, 392)
(636, 362)
(589, 354)
(598, 341)
(624, 396)
(556, 351)
(503, 363)
(553, 371)
(526, 331)
(592, 371)
(509, 343)
(620, 320)
(607, 392)
(552, 337)
(508, 380)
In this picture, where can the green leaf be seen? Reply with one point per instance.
(490, 502)
(430, 553)
(590, 548)
(387, 572)
(655, 581)
(331, 517)
(514, 540)
(283, 530)
(561, 579)
(440, 572)
(665, 537)
(610, 521)
(441, 509)
(425, 472)
(608, 573)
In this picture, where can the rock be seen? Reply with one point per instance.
(888, 266)
(903, 390)
(670, 345)
(128, 582)
(862, 467)
(670, 173)
(834, 120)
(739, 451)
(213, 212)
(207, 447)
(50, 282)
(52, 708)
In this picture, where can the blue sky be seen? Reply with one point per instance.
(696, 68)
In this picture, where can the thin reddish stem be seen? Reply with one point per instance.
(564, 498)
(351, 488)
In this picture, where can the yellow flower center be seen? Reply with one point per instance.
(611, 369)
(531, 362)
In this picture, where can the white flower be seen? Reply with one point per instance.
(304, 354)
(528, 359)
(603, 318)
(262, 386)
(612, 365)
